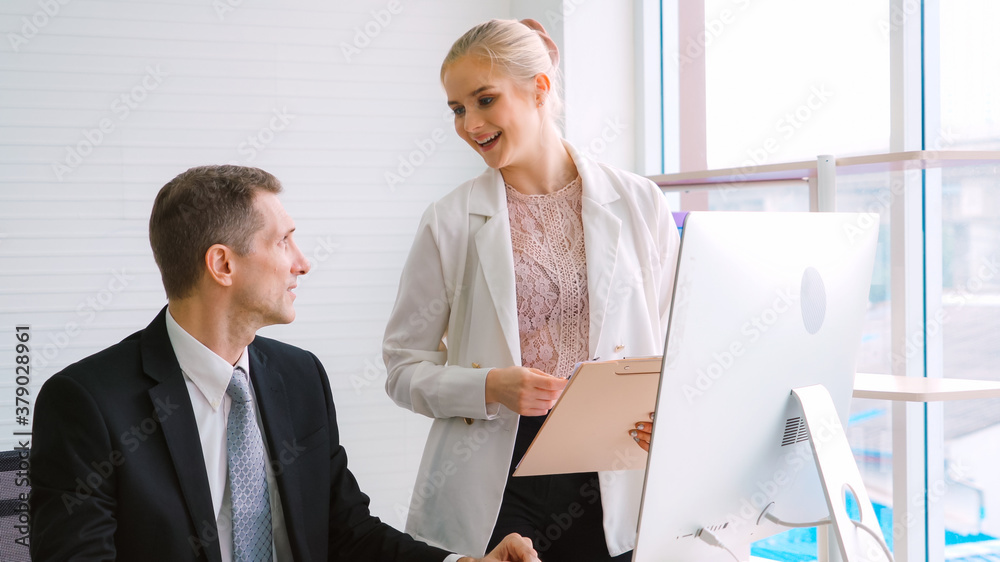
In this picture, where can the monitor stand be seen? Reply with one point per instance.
(839, 476)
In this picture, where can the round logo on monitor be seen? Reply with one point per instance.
(813, 299)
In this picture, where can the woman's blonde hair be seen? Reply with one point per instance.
(517, 49)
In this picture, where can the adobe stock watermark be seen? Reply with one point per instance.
(258, 141)
(225, 7)
(898, 16)
(430, 313)
(409, 163)
(209, 531)
(767, 490)
(323, 249)
(635, 283)
(934, 493)
(784, 476)
(786, 127)
(32, 25)
(569, 7)
(120, 109)
(612, 131)
(130, 440)
(987, 269)
(373, 371)
(714, 28)
(557, 525)
(365, 34)
(882, 204)
(88, 309)
(751, 330)
(790, 123)
(463, 450)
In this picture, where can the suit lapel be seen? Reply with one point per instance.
(180, 430)
(496, 254)
(275, 415)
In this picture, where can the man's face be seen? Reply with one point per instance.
(263, 279)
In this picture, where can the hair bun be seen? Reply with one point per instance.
(549, 43)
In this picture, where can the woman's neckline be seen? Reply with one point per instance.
(562, 191)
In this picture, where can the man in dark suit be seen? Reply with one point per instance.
(195, 439)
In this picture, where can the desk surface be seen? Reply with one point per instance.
(912, 389)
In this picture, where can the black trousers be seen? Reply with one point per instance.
(561, 514)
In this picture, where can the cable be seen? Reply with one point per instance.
(712, 539)
(877, 537)
(881, 542)
(774, 519)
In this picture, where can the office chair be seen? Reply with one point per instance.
(12, 509)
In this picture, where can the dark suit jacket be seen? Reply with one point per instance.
(117, 469)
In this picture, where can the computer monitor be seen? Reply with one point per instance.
(763, 303)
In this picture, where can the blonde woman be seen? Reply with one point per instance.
(546, 259)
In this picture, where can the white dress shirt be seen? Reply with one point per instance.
(207, 376)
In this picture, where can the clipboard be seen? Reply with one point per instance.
(587, 429)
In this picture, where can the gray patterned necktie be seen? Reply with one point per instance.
(247, 476)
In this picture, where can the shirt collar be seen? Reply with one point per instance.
(206, 369)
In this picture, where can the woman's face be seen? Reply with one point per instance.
(495, 114)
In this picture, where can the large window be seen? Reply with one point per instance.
(970, 214)
(788, 80)
(970, 322)
(970, 75)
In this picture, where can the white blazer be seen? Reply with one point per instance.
(455, 318)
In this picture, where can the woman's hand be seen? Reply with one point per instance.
(643, 432)
(528, 392)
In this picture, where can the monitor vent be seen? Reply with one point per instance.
(795, 432)
(712, 529)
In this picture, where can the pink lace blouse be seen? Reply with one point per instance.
(550, 270)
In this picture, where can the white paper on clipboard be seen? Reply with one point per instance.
(587, 429)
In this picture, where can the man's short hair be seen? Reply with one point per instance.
(201, 207)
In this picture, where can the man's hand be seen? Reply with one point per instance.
(513, 548)
(528, 392)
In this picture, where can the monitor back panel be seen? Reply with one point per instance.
(763, 303)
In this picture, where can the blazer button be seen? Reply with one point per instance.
(468, 421)
(475, 365)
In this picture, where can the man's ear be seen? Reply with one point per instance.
(542, 87)
(219, 264)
